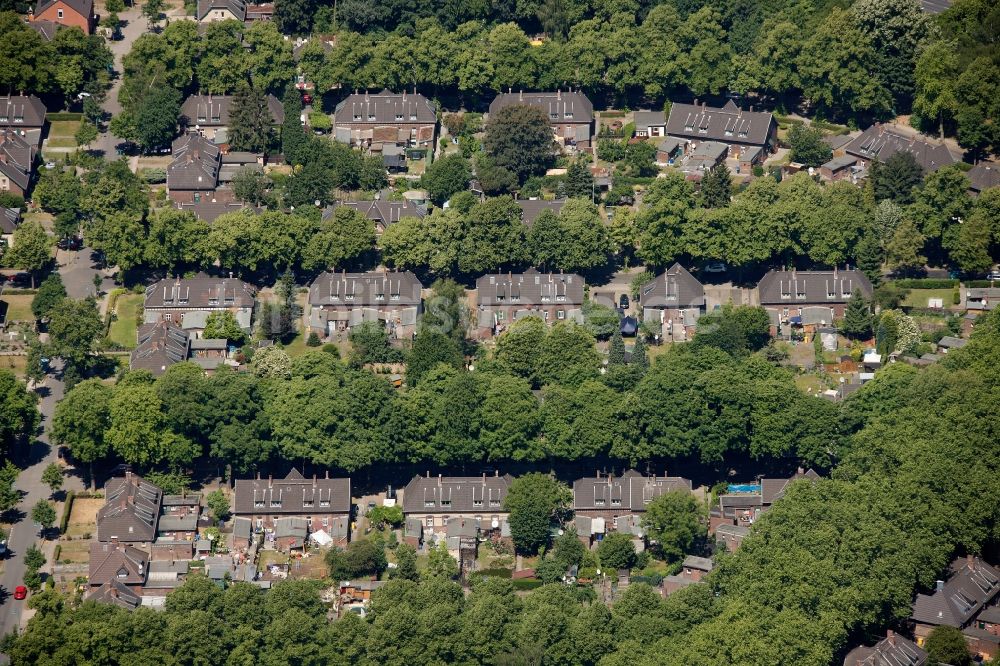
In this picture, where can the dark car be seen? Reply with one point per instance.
(623, 301)
(71, 243)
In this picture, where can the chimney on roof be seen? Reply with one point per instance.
(890, 636)
(314, 480)
(751, 108)
(939, 586)
(520, 95)
(327, 474)
(800, 471)
(970, 561)
(114, 541)
(696, 101)
(269, 481)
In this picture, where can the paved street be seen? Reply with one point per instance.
(134, 26)
(77, 269)
(29, 482)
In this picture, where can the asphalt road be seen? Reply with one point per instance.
(23, 534)
(133, 28)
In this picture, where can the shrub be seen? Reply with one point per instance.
(154, 176)
(926, 283)
(312, 340)
(67, 510)
(956, 297)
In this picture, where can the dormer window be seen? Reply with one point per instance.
(598, 502)
(429, 504)
(494, 501)
(616, 502)
(258, 504)
(399, 116)
(371, 117)
(202, 118)
(568, 115)
(689, 128)
(324, 503)
(553, 116)
(307, 503)
(446, 503)
(357, 116)
(349, 297)
(276, 504)
(379, 297)
(477, 502)
(413, 116)
(394, 297)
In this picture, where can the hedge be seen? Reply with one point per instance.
(67, 510)
(926, 283)
(64, 115)
(55, 557)
(981, 284)
(526, 583)
(654, 581)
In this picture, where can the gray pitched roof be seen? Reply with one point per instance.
(10, 218)
(47, 29)
(813, 287)
(699, 563)
(729, 124)
(294, 494)
(560, 106)
(880, 142)
(131, 510)
(529, 288)
(773, 489)
(160, 345)
(209, 210)
(379, 210)
(237, 7)
(110, 561)
(674, 288)
(116, 593)
(213, 110)
(372, 289)
(456, 494)
(532, 208)
(972, 585)
(984, 176)
(16, 158)
(384, 108)
(84, 8)
(631, 491)
(21, 111)
(892, 650)
(199, 293)
(196, 163)
(645, 119)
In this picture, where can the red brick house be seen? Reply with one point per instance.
(570, 113)
(811, 299)
(673, 302)
(606, 499)
(319, 501)
(193, 174)
(341, 301)
(372, 120)
(892, 650)
(17, 162)
(78, 13)
(434, 500)
(131, 510)
(189, 301)
(119, 562)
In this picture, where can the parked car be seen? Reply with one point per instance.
(3, 548)
(20, 592)
(993, 275)
(715, 267)
(623, 301)
(307, 98)
(71, 243)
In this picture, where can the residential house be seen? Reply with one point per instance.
(382, 212)
(17, 162)
(341, 301)
(210, 113)
(503, 298)
(72, 13)
(706, 155)
(373, 120)
(45, 29)
(25, 114)
(981, 298)
(207, 208)
(177, 528)
(881, 141)
(160, 346)
(743, 504)
(811, 299)
(261, 12)
(669, 150)
(194, 171)
(131, 510)
(10, 220)
(983, 176)
(673, 301)
(971, 586)
(610, 502)
(693, 570)
(738, 129)
(209, 354)
(318, 500)
(650, 124)
(290, 533)
(210, 11)
(190, 301)
(949, 342)
(842, 167)
(435, 500)
(893, 650)
(730, 537)
(413, 532)
(119, 562)
(116, 593)
(570, 113)
(462, 542)
(532, 208)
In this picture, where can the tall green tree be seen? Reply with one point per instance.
(579, 179)
(534, 501)
(31, 249)
(51, 293)
(808, 147)
(250, 120)
(717, 187)
(857, 317)
(18, 411)
(446, 176)
(518, 138)
(675, 521)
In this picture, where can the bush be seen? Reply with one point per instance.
(153, 176)
(526, 584)
(57, 553)
(64, 115)
(956, 297)
(312, 340)
(67, 510)
(980, 284)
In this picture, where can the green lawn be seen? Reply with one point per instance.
(123, 329)
(917, 298)
(63, 128)
(61, 142)
(19, 307)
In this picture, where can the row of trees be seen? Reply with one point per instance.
(69, 64)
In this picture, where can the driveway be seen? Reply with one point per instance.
(23, 534)
(134, 26)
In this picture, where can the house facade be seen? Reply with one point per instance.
(210, 11)
(673, 301)
(209, 114)
(318, 502)
(189, 301)
(882, 141)
(650, 124)
(17, 162)
(503, 298)
(340, 301)
(121, 563)
(893, 650)
(570, 114)
(611, 502)
(433, 501)
(131, 511)
(811, 299)
(70, 13)
(382, 212)
(966, 600)
(740, 130)
(373, 120)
